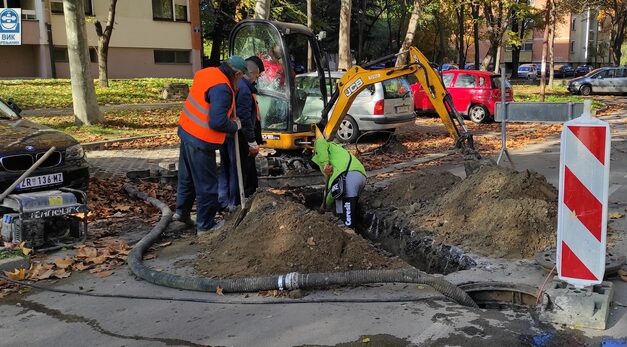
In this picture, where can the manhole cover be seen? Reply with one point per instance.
(613, 262)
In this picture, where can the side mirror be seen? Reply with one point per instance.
(321, 35)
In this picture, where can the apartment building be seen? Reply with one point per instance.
(151, 38)
(579, 39)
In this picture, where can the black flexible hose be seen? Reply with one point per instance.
(289, 281)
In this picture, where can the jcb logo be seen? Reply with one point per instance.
(353, 87)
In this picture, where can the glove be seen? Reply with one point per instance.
(253, 148)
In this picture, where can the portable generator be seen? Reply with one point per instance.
(45, 220)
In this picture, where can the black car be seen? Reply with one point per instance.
(23, 142)
(562, 71)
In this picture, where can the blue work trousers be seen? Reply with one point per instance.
(198, 180)
(228, 186)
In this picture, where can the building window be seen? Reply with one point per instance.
(56, 7)
(171, 57)
(174, 10)
(60, 54)
(574, 24)
(93, 55)
(572, 47)
(527, 46)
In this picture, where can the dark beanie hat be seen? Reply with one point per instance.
(255, 59)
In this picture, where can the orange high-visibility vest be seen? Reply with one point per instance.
(194, 118)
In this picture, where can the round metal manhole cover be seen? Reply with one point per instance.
(613, 262)
(501, 295)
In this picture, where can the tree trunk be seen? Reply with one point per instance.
(104, 37)
(515, 48)
(310, 62)
(553, 21)
(411, 32)
(461, 30)
(84, 100)
(545, 48)
(389, 22)
(475, 33)
(345, 38)
(218, 36)
(262, 9)
(618, 32)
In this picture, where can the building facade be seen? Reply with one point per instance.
(579, 39)
(151, 38)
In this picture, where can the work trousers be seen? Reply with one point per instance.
(228, 187)
(197, 180)
(347, 204)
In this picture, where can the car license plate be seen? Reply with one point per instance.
(402, 109)
(40, 181)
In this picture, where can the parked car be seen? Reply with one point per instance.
(527, 71)
(382, 106)
(563, 71)
(446, 67)
(604, 80)
(23, 142)
(582, 70)
(474, 93)
(470, 66)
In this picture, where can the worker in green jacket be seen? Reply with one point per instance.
(345, 176)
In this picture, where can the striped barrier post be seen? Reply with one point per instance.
(582, 205)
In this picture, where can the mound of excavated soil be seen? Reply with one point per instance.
(495, 212)
(278, 236)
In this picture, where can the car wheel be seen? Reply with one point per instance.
(348, 130)
(478, 114)
(585, 90)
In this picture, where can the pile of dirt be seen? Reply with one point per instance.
(278, 236)
(495, 212)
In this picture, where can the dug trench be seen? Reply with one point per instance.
(433, 221)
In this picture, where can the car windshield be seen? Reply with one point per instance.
(6, 112)
(523, 68)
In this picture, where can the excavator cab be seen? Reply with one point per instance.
(285, 108)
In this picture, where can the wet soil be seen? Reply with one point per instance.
(279, 235)
(495, 212)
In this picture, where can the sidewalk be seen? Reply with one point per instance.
(45, 112)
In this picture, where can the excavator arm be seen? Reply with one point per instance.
(356, 79)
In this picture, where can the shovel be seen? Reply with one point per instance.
(244, 203)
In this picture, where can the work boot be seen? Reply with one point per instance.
(183, 219)
(215, 227)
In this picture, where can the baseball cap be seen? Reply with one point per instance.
(237, 62)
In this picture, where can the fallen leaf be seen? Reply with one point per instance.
(17, 275)
(80, 266)
(616, 215)
(86, 252)
(165, 244)
(150, 256)
(64, 263)
(9, 245)
(61, 273)
(122, 207)
(97, 260)
(366, 340)
(39, 271)
(311, 242)
(219, 291)
(24, 249)
(103, 274)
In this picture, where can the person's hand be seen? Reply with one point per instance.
(253, 151)
(238, 122)
(328, 170)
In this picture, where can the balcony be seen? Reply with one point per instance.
(29, 14)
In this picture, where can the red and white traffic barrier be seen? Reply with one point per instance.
(583, 193)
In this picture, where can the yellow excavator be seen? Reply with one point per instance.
(296, 111)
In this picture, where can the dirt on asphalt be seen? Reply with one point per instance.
(278, 236)
(495, 212)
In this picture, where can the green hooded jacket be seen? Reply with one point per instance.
(326, 152)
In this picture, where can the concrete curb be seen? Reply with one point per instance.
(98, 145)
(10, 264)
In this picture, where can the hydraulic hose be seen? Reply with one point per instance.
(288, 281)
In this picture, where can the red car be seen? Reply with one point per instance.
(475, 93)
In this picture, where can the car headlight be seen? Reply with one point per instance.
(74, 152)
